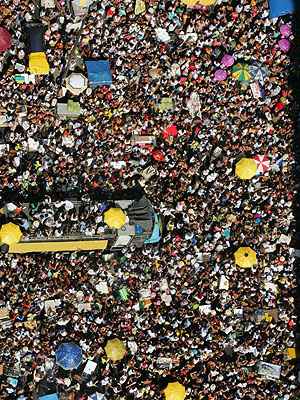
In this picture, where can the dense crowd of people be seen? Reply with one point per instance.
(194, 330)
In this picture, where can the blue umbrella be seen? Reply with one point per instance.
(68, 356)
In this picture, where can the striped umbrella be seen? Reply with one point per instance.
(241, 72)
(263, 163)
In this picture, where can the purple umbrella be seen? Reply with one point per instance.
(284, 45)
(227, 60)
(220, 75)
(286, 30)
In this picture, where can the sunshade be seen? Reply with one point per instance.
(284, 45)
(220, 75)
(262, 162)
(241, 72)
(99, 72)
(280, 7)
(73, 107)
(245, 257)
(36, 32)
(192, 3)
(246, 168)
(115, 349)
(258, 72)
(174, 391)
(227, 60)
(170, 131)
(76, 83)
(38, 64)
(5, 39)
(68, 356)
(10, 234)
(115, 218)
(286, 30)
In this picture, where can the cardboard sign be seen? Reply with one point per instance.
(50, 305)
(48, 3)
(205, 309)
(102, 287)
(164, 363)
(269, 371)
(90, 367)
(256, 90)
(224, 283)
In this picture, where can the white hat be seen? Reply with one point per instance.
(11, 207)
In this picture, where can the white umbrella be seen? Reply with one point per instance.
(76, 83)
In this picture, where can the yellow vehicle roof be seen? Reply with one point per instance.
(41, 247)
(38, 64)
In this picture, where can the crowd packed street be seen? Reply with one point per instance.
(209, 85)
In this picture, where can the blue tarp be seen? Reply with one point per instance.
(52, 396)
(156, 233)
(281, 7)
(99, 73)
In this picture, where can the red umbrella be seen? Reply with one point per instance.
(279, 106)
(158, 155)
(5, 39)
(170, 131)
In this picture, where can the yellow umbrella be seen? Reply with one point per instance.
(245, 257)
(246, 168)
(175, 391)
(115, 218)
(10, 233)
(192, 3)
(115, 349)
